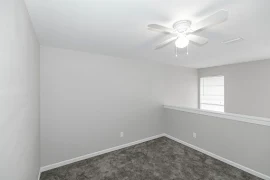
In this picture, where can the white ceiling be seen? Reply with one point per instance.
(119, 28)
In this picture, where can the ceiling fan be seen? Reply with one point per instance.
(183, 30)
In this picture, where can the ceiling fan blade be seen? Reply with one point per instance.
(216, 18)
(160, 28)
(165, 43)
(197, 39)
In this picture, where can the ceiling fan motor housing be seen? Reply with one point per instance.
(182, 26)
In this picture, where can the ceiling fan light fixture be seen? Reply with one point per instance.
(181, 42)
(182, 26)
(182, 31)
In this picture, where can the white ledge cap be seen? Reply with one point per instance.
(231, 116)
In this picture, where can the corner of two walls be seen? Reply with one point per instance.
(181, 91)
(19, 94)
(88, 99)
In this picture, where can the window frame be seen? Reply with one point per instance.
(199, 92)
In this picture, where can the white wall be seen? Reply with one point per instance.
(181, 87)
(247, 87)
(87, 100)
(246, 92)
(243, 143)
(19, 94)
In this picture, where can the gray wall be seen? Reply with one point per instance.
(243, 143)
(19, 94)
(87, 100)
(247, 87)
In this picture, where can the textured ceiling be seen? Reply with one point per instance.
(119, 28)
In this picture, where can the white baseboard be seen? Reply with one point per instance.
(39, 174)
(62, 163)
(246, 169)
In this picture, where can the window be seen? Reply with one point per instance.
(212, 93)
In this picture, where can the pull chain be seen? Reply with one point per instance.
(187, 49)
(176, 54)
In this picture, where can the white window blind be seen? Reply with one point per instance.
(212, 93)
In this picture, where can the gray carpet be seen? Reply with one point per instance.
(159, 159)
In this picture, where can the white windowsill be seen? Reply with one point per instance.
(231, 116)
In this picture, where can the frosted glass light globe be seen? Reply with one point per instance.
(181, 42)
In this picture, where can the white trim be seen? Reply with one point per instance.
(246, 169)
(62, 163)
(39, 174)
(236, 117)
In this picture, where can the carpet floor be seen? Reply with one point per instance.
(159, 159)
